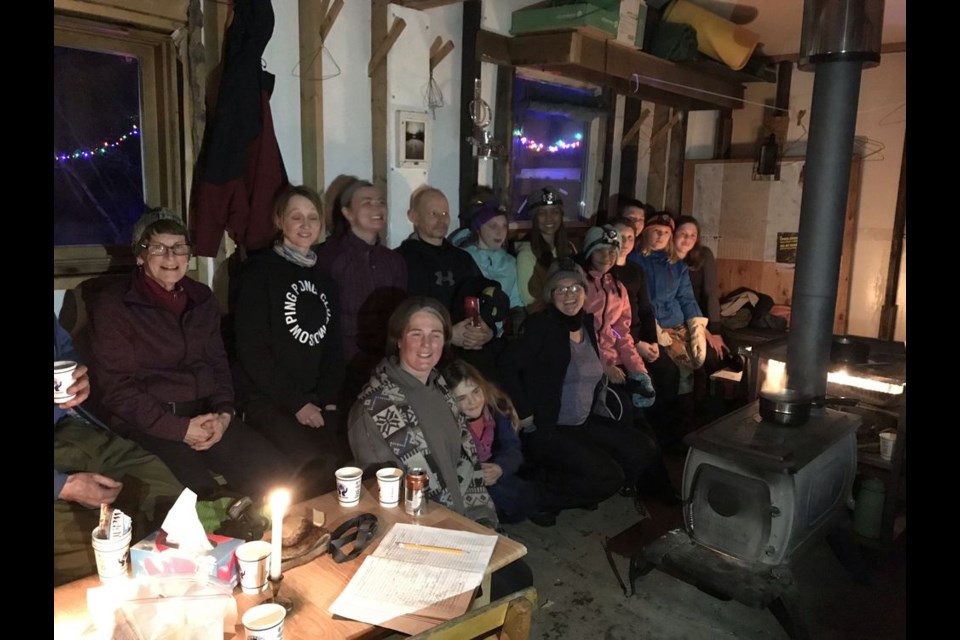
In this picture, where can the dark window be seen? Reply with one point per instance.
(98, 188)
(551, 145)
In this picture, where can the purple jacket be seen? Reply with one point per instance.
(144, 357)
(372, 280)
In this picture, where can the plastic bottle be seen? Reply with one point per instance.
(868, 514)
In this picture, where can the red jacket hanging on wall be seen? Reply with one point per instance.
(240, 169)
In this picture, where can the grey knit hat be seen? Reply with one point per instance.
(562, 269)
(142, 226)
(600, 237)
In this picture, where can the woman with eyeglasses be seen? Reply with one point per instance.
(371, 278)
(554, 375)
(160, 365)
(289, 348)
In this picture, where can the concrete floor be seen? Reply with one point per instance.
(579, 597)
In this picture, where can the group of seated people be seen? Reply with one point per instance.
(524, 385)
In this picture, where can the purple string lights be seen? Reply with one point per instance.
(539, 147)
(97, 151)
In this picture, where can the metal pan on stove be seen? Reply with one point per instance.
(792, 409)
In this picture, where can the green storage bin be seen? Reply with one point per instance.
(568, 16)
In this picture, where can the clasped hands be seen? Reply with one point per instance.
(206, 429)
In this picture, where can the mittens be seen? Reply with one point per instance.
(642, 393)
(663, 338)
(698, 340)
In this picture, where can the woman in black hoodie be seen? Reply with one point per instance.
(289, 344)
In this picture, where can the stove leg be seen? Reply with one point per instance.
(639, 567)
(786, 609)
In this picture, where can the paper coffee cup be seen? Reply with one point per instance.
(388, 479)
(264, 622)
(111, 555)
(252, 560)
(348, 485)
(62, 380)
(888, 440)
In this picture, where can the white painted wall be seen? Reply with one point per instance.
(881, 122)
(408, 82)
(347, 139)
(280, 57)
(347, 132)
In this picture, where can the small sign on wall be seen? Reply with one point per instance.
(787, 247)
(413, 140)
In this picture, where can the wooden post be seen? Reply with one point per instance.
(611, 156)
(677, 155)
(888, 316)
(657, 178)
(312, 17)
(469, 71)
(723, 135)
(503, 130)
(378, 98)
(629, 149)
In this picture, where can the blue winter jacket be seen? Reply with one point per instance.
(671, 293)
(498, 265)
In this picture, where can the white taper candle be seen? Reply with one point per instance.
(279, 500)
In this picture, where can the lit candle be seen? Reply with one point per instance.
(279, 500)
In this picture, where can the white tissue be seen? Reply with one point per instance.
(183, 526)
(162, 609)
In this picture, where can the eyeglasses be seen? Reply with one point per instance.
(157, 249)
(575, 289)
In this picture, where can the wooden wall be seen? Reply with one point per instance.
(739, 226)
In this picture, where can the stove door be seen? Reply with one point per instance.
(729, 512)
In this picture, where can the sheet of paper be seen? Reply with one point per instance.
(476, 548)
(417, 577)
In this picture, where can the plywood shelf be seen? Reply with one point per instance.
(588, 55)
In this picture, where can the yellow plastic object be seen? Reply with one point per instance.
(716, 37)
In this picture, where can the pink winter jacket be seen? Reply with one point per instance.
(608, 301)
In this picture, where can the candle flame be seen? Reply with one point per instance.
(279, 500)
(775, 378)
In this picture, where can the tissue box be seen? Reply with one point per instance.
(151, 557)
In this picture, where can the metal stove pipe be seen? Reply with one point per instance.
(839, 39)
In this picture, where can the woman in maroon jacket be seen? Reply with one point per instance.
(162, 370)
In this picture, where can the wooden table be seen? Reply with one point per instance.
(313, 586)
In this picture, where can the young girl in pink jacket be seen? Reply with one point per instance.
(607, 299)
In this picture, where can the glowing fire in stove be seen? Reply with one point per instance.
(868, 384)
(776, 380)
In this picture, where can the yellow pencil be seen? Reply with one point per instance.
(430, 547)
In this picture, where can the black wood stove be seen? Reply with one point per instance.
(755, 492)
